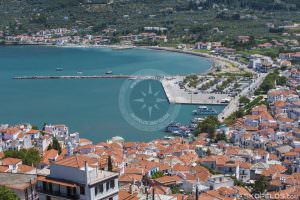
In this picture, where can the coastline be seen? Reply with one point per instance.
(217, 60)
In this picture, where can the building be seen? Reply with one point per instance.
(23, 185)
(78, 177)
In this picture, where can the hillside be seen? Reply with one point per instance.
(181, 17)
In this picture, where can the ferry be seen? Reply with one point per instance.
(204, 110)
(59, 69)
(108, 72)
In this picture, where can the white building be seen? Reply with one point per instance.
(78, 177)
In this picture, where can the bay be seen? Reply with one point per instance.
(87, 106)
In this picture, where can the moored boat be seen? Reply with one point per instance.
(204, 110)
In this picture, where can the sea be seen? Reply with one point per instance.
(92, 107)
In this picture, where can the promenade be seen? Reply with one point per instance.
(233, 106)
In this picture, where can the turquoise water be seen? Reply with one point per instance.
(88, 106)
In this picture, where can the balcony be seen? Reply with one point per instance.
(58, 194)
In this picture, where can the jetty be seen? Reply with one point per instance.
(90, 77)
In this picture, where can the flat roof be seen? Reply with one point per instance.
(17, 181)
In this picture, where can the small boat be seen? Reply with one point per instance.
(108, 72)
(197, 119)
(59, 69)
(173, 127)
(80, 72)
(204, 110)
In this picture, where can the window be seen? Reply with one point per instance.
(96, 190)
(68, 190)
(107, 185)
(101, 188)
(82, 190)
(48, 198)
(112, 183)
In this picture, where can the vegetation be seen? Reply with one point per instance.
(269, 83)
(34, 127)
(209, 126)
(175, 189)
(245, 110)
(157, 175)
(244, 100)
(28, 156)
(192, 80)
(260, 185)
(55, 145)
(221, 137)
(7, 194)
(186, 21)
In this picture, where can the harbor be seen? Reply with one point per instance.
(177, 95)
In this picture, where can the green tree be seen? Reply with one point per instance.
(209, 126)
(109, 164)
(260, 185)
(55, 145)
(35, 127)
(281, 80)
(221, 137)
(157, 175)
(7, 194)
(28, 156)
(244, 100)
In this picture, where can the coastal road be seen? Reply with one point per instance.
(247, 92)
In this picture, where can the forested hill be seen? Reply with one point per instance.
(130, 16)
(254, 4)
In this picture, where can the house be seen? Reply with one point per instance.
(34, 134)
(168, 181)
(78, 177)
(217, 181)
(266, 45)
(49, 157)
(11, 133)
(11, 163)
(203, 45)
(243, 39)
(23, 185)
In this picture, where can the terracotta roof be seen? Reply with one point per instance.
(11, 161)
(50, 154)
(130, 178)
(123, 195)
(165, 180)
(78, 161)
(32, 131)
(3, 168)
(24, 168)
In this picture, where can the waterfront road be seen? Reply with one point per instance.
(247, 92)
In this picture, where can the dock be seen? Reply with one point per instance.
(89, 77)
(179, 96)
